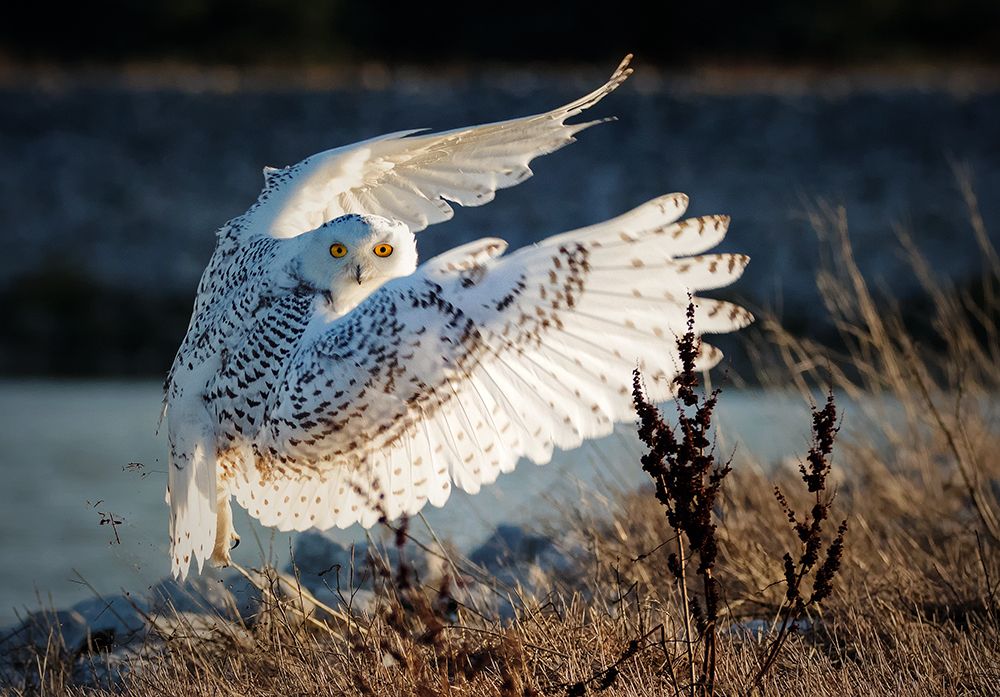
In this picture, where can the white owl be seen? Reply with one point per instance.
(327, 379)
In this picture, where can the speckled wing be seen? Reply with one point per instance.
(452, 374)
(413, 178)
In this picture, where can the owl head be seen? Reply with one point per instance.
(351, 256)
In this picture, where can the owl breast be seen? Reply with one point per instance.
(242, 394)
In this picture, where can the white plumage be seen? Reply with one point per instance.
(325, 379)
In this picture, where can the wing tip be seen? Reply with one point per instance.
(620, 75)
(623, 70)
(677, 200)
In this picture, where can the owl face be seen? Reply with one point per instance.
(353, 255)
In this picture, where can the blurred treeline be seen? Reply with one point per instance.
(436, 31)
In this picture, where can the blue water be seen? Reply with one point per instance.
(67, 449)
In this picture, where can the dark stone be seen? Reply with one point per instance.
(511, 546)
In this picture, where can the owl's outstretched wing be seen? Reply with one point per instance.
(452, 374)
(413, 178)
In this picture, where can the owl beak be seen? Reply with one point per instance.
(357, 273)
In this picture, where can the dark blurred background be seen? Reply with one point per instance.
(131, 130)
(667, 33)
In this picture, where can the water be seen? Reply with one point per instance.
(110, 193)
(68, 448)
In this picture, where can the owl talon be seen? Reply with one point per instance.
(236, 542)
(221, 559)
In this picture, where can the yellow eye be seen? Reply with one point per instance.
(383, 250)
(338, 250)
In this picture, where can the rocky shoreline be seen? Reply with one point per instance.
(105, 636)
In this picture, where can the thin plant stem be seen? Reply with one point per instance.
(682, 585)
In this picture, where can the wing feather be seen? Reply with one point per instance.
(485, 358)
(413, 177)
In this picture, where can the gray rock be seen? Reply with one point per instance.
(509, 545)
(758, 629)
(199, 626)
(321, 563)
(326, 566)
(22, 643)
(95, 635)
(517, 564)
(107, 624)
(102, 670)
(516, 557)
(197, 595)
(360, 602)
(39, 628)
(270, 595)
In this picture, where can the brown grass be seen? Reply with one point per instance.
(913, 608)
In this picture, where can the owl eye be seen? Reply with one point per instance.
(337, 250)
(383, 250)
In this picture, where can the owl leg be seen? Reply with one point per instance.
(226, 538)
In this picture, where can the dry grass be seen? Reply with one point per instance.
(913, 609)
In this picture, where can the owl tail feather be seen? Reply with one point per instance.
(191, 496)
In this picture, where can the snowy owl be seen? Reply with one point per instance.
(326, 379)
